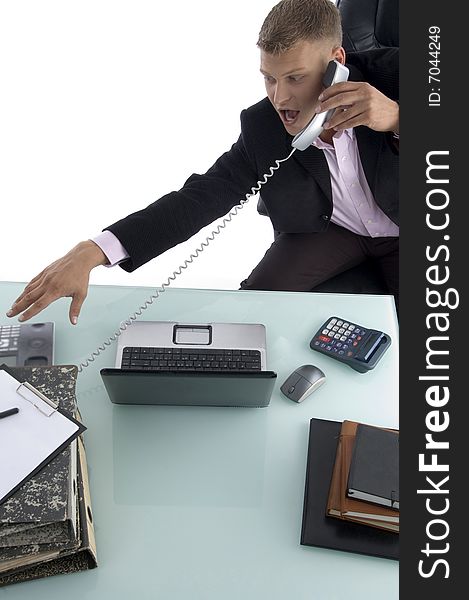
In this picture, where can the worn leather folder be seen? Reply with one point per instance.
(80, 557)
(327, 532)
(46, 526)
(33, 514)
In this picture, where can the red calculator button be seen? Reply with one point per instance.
(349, 353)
(359, 337)
(355, 343)
(324, 338)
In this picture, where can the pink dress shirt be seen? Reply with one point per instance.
(354, 206)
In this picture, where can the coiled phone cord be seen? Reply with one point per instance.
(234, 211)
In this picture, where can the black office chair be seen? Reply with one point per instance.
(366, 24)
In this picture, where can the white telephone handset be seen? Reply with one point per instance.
(335, 73)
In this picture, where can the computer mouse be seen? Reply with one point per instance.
(302, 382)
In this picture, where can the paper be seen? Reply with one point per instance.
(30, 437)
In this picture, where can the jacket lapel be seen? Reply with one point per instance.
(313, 160)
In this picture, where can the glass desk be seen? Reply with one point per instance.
(206, 503)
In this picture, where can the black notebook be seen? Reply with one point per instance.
(327, 532)
(374, 470)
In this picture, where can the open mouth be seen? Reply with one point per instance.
(289, 116)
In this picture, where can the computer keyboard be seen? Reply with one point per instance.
(194, 359)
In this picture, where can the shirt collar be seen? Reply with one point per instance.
(318, 143)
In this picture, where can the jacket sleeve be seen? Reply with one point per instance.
(177, 216)
(380, 68)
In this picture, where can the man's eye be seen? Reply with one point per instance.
(269, 79)
(296, 78)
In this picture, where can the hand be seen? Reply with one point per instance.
(68, 276)
(359, 103)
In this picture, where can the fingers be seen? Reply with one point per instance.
(26, 295)
(339, 101)
(345, 87)
(361, 104)
(29, 295)
(75, 307)
(36, 302)
(345, 119)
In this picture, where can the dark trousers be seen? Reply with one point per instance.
(300, 261)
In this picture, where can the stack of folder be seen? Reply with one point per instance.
(46, 525)
(351, 498)
(366, 466)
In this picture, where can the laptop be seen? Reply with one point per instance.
(210, 364)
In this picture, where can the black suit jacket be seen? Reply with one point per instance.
(298, 197)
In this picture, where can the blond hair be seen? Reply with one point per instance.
(291, 21)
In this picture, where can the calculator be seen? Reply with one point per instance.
(354, 345)
(29, 344)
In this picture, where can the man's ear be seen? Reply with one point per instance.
(338, 54)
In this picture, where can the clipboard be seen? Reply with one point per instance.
(33, 436)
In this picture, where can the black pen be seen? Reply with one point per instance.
(10, 411)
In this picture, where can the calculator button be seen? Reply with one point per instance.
(335, 328)
(349, 353)
(324, 338)
(359, 337)
(344, 347)
(343, 338)
(357, 329)
(333, 321)
(351, 327)
(330, 325)
(339, 322)
(341, 352)
(355, 343)
(362, 332)
(339, 345)
(353, 336)
(328, 347)
(323, 345)
(333, 343)
(335, 349)
(341, 330)
(325, 331)
(316, 343)
(337, 336)
(346, 324)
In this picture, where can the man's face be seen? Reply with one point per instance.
(293, 80)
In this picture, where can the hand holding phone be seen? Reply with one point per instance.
(366, 106)
(335, 73)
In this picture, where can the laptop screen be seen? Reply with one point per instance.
(189, 389)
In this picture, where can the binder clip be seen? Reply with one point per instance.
(34, 396)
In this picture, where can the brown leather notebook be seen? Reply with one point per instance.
(339, 505)
(323, 531)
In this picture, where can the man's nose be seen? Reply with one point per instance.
(281, 94)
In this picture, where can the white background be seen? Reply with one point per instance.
(106, 106)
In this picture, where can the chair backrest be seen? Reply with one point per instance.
(369, 24)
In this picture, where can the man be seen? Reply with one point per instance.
(333, 205)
